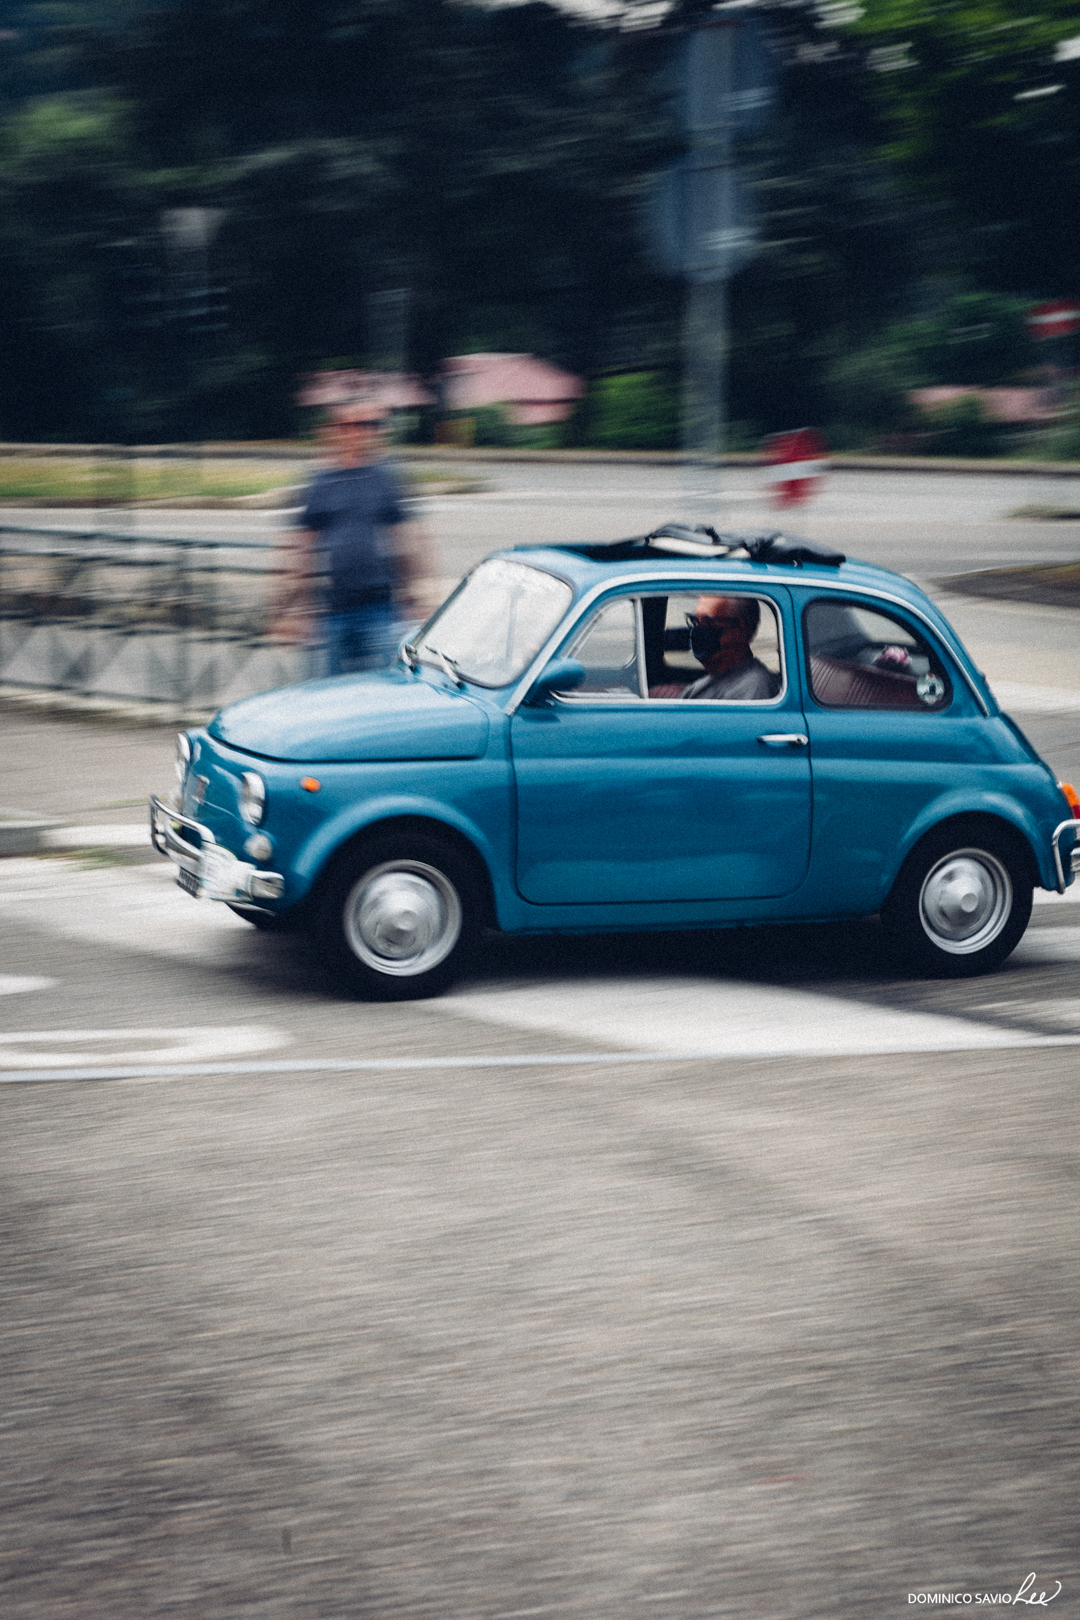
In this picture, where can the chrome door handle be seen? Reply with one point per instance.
(785, 739)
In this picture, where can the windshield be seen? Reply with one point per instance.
(495, 624)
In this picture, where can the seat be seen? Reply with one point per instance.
(842, 685)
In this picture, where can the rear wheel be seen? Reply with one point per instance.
(399, 917)
(961, 902)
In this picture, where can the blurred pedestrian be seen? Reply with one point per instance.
(358, 532)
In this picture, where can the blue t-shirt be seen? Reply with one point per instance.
(352, 509)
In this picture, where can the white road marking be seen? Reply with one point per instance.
(1016, 697)
(15, 984)
(721, 1018)
(1048, 945)
(508, 1060)
(134, 1047)
(136, 908)
(140, 910)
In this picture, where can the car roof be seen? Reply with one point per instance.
(587, 565)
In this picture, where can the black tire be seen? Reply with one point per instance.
(962, 900)
(398, 917)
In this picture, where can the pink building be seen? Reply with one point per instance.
(532, 390)
(393, 390)
(1017, 405)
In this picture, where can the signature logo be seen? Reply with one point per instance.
(1040, 1599)
(1026, 1594)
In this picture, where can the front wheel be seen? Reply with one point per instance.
(399, 918)
(961, 902)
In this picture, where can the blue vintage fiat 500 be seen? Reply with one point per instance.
(683, 730)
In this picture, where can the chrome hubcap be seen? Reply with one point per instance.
(402, 918)
(966, 901)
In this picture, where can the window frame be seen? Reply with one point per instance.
(870, 604)
(676, 588)
(574, 695)
(724, 588)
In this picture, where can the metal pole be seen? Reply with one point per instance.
(710, 205)
(704, 361)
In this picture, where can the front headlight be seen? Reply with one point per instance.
(252, 797)
(183, 756)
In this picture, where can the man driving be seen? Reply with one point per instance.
(720, 635)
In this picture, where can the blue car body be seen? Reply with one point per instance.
(621, 810)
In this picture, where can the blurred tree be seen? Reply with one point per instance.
(476, 157)
(70, 208)
(980, 101)
(636, 410)
(840, 242)
(491, 164)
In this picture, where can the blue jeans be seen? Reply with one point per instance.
(360, 638)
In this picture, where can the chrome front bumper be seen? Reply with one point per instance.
(206, 870)
(1072, 825)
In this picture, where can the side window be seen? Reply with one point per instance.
(608, 647)
(866, 658)
(717, 647)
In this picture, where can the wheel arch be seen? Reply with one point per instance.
(412, 825)
(1000, 820)
(967, 826)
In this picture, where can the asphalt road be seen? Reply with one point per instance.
(693, 1276)
(921, 524)
(477, 1308)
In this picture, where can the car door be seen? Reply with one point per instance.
(891, 730)
(628, 793)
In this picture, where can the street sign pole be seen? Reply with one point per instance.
(711, 181)
(703, 222)
(704, 343)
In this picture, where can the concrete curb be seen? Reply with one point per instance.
(22, 833)
(113, 711)
(129, 836)
(45, 835)
(279, 451)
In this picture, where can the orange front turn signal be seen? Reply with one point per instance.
(1072, 796)
(310, 784)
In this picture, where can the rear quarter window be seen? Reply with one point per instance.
(860, 656)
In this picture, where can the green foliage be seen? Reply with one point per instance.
(494, 161)
(637, 410)
(982, 117)
(868, 396)
(976, 337)
(1062, 441)
(485, 159)
(490, 425)
(961, 428)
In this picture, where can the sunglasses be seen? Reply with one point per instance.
(696, 619)
(372, 424)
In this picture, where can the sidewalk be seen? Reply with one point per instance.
(94, 775)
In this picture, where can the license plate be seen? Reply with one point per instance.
(188, 882)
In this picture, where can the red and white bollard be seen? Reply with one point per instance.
(795, 462)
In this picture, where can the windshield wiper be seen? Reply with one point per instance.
(448, 665)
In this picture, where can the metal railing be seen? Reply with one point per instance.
(190, 622)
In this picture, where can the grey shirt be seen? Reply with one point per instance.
(748, 681)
